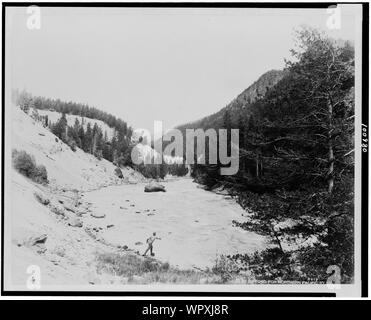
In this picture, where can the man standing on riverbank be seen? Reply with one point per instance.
(150, 242)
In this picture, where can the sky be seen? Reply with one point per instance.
(172, 65)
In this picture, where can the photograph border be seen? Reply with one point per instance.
(364, 159)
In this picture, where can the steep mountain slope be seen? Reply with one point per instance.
(48, 225)
(65, 168)
(240, 103)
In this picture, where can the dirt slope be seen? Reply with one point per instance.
(46, 222)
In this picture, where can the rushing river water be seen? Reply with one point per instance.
(195, 225)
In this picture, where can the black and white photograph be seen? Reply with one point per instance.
(179, 148)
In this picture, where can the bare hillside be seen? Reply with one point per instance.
(47, 221)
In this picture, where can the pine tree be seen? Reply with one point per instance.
(227, 120)
(88, 140)
(60, 128)
(81, 135)
(303, 129)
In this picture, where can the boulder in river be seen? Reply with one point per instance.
(154, 187)
(81, 212)
(57, 209)
(42, 198)
(68, 208)
(38, 239)
(38, 243)
(97, 215)
(75, 222)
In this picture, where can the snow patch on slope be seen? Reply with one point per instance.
(54, 116)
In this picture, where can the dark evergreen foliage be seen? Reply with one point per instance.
(296, 174)
(25, 164)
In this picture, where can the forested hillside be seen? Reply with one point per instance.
(90, 138)
(89, 132)
(296, 168)
(27, 100)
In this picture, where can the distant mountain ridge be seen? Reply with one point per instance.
(255, 91)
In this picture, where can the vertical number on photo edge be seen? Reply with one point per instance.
(364, 143)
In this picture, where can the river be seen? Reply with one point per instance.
(195, 226)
